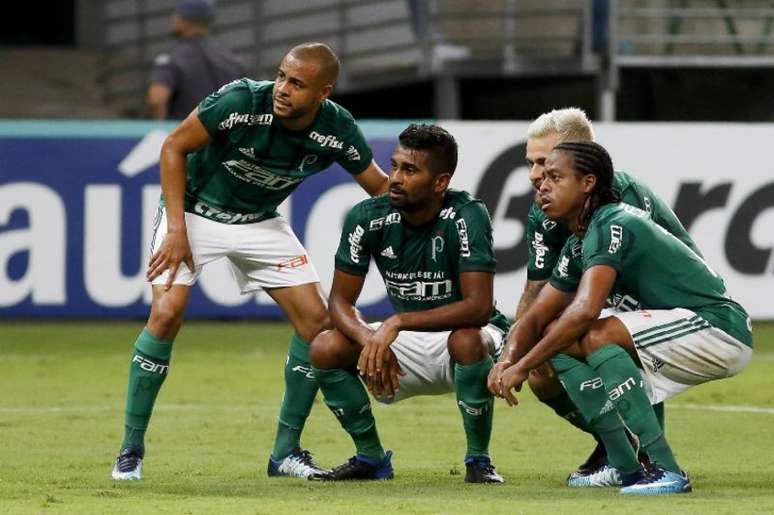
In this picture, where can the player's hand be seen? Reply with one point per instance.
(174, 250)
(385, 383)
(374, 354)
(513, 377)
(493, 381)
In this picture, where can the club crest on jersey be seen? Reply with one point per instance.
(437, 245)
(327, 140)
(616, 239)
(548, 224)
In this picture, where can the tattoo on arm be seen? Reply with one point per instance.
(531, 291)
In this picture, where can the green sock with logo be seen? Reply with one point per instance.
(300, 391)
(147, 371)
(347, 398)
(476, 404)
(564, 407)
(624, 387)
(587, 391)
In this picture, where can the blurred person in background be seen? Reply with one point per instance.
(194, 68)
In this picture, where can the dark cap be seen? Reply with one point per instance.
(200, 10)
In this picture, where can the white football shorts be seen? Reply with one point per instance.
(678, 349)
(261, 255)
(424, 358)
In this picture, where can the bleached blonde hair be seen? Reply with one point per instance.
(570, 123)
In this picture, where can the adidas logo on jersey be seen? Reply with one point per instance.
(389, 253)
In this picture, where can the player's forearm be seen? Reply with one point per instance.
(347, 319)
(465, 313)
(528, 296)
(567, 330)
(173, 174)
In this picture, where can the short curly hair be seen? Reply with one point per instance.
(440, 146)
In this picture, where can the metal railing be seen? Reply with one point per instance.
(380, 42)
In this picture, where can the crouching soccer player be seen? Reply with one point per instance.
(686, 331)
(433, 248)
(546, 239)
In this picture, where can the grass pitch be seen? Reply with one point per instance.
(61, 414)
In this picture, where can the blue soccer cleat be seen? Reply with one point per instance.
(359, 467)
(658, 481)
(298, 463)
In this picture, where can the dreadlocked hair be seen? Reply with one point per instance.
(591, 158)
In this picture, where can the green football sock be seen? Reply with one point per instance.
(300, 391)
(623, 384)
(564, 407)
(658, 409)
(147, 371)
(587, 391)
(476, 404)
(347, 398)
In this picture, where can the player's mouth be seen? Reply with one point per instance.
(397, 193)
(282, 104)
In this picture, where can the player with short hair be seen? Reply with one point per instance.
(224, 171)
(546, 239)
(433, 247)
(684, 331)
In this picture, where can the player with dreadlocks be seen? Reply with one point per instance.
(687, 331)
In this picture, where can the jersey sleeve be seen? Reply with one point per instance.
(165, 72)
(545, 239)
(566, 274)
(606, 243)
(357, 153)
(353, 255)
(215, 110)
(476, 245)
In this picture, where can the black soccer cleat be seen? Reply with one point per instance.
(596, 460)
(128, 464)
(481, 470)
(359, 468)
(298, 463)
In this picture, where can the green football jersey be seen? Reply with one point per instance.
(655, 269)
(546, 238)
(420, 266)
(253, 162)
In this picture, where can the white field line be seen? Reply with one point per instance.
(259, 407)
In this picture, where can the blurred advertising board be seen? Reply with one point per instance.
(77, 201)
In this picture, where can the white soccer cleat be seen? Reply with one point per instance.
(606, 475)
(297, 464)
(128, 466)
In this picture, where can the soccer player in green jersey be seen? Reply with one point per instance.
(224, 171)
(685, 330)
(546, 239)
(433, 247)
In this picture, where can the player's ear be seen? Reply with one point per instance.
(441, 182)
(326, 91)
(589, 181)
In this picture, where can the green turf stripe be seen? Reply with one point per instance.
(675, 336)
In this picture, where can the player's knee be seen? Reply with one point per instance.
(544, 384)
(467, 346)
(594, 339)
(327, 350)
(165, 318)
(314, 324)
